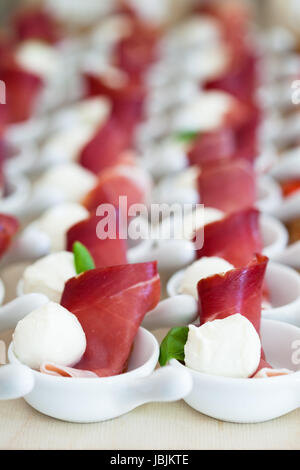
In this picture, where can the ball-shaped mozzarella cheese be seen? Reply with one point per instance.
(196, 31)
(56, 221)
(187, 178)
(65, 145)
(229, 347)
(78, 13)
(112, 30)
(207, 63)
(39, 58)
(48, 275)
(204, 267)
(91, 112)
(183, 225)
(204, 113)
(198, 218)
(49, 333)
(71, 181)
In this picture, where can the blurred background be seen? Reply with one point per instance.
(285, 12)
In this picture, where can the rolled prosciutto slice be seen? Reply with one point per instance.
(105, 252)
(106, 146)
(241, 77)
(8, 227)
(236, 238)
(63, 371)
(22, 92)
(237, 291)
(229, 186)
(212, 146)
(36, 23)
(228, 143)
(110, 304)
(137, 51)
(125, 180)
(127, 98)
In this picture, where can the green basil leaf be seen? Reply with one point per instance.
(82, 258)
(172, 346)
(186, 136)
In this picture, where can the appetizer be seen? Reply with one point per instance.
(98, 317)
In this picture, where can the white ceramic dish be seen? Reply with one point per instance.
(284, 288)
(88, 400)
(269, 194)
(18, 190)
(252, 400)
(289, 209)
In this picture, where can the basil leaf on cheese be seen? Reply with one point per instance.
(186, 136)
(82, 258)
(172, 346)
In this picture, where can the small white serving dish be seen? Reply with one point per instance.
(88, 400)
(252, 400)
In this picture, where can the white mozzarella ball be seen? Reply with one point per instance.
(70, 180)
(204, 267)
(49, 274)
(49, 334)
(56, 221)
(228, 348)
(39, 58)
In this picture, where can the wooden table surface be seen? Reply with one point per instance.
(152, 426)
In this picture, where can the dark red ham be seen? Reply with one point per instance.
(237, 291)
(22, 92)
(235, 238)
(137, 51)
(106, 252)
(241, 77)
(8, 227)
(127, 100)
(229, 186)
(110, 303)
(35, 23)
(105, 148)
(124, 180)
(212, 146)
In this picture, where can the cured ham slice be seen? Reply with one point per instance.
(229, 186)
(213, 146)
(110, 304)
(265, 372)
(240, 79)
(22, 91)
(236, 238)
(8, 228)
(106, 147)
(35, 23)
(247, 146)
(137, 51)
(105, 252)
(63, 371)
(237, 291)
(127, 99)
(124, 180)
